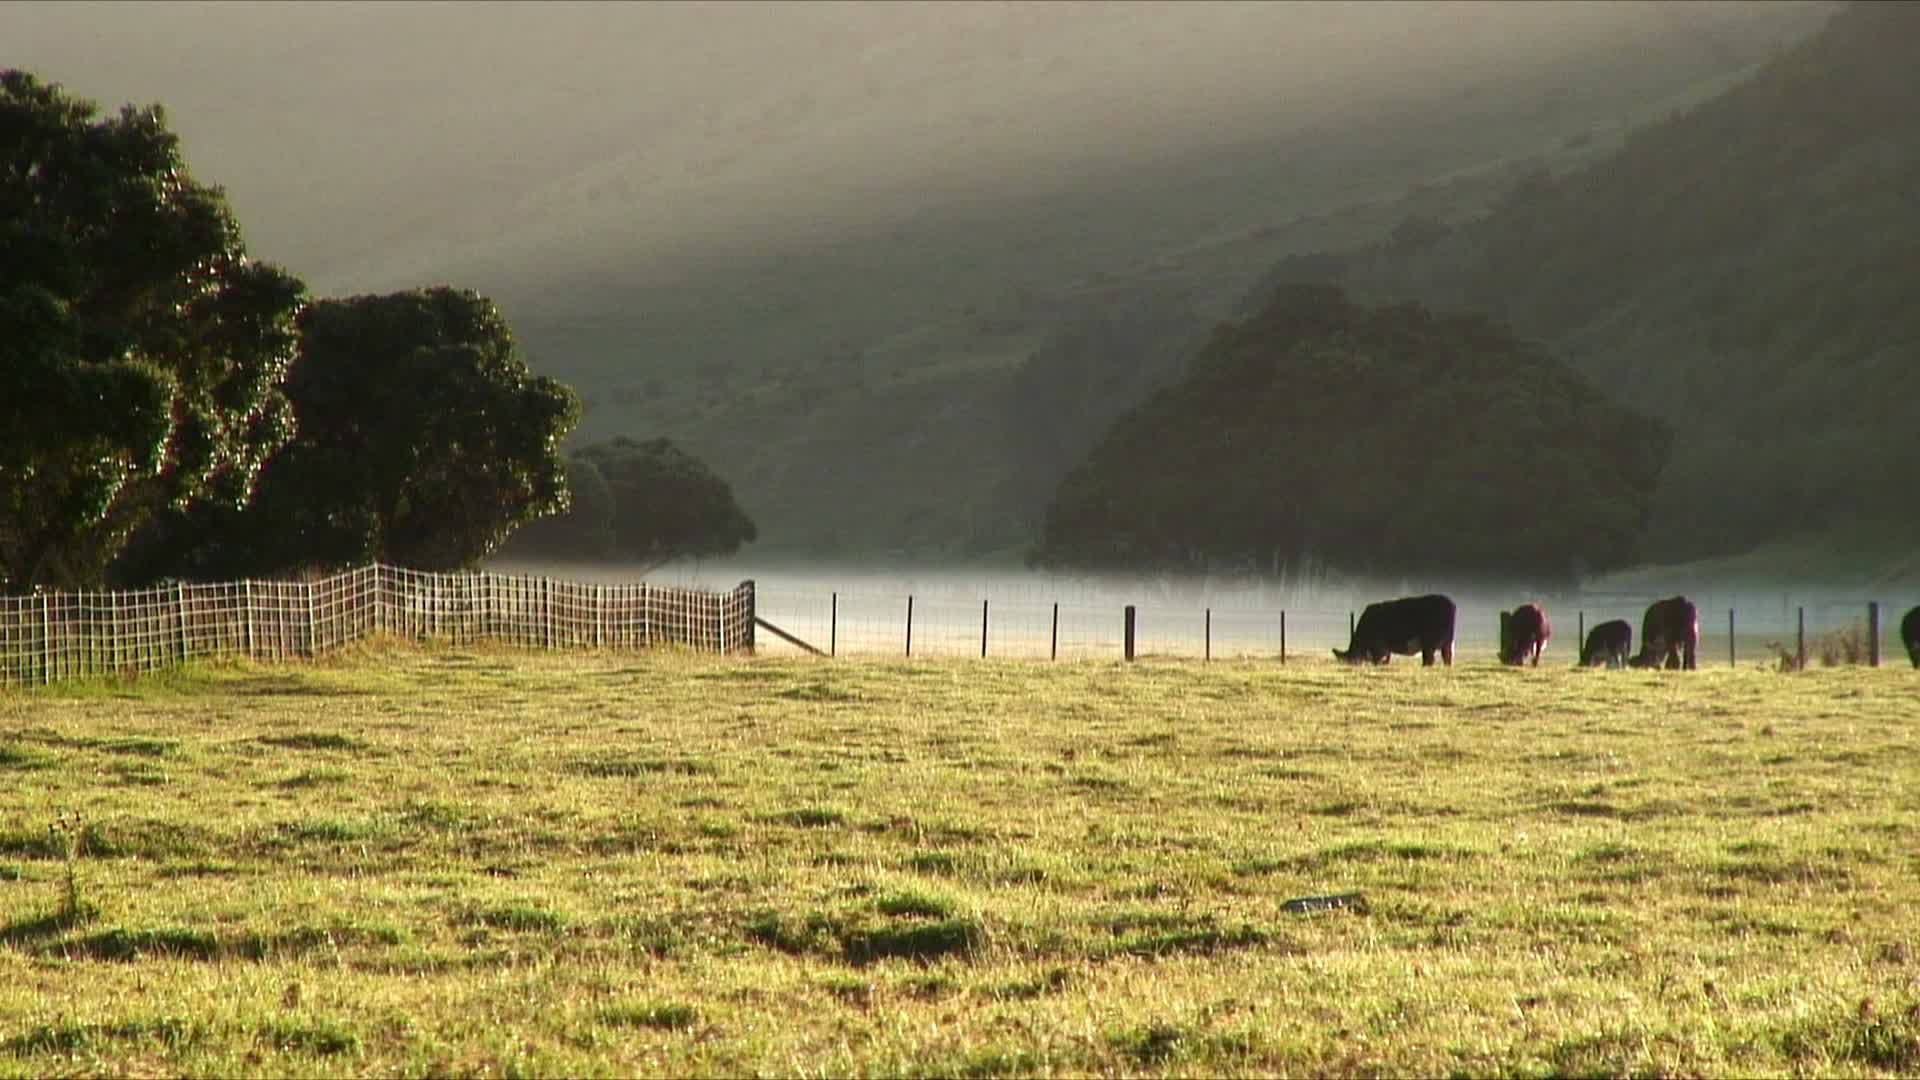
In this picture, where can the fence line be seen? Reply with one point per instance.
(896, 623)
(53, 636)
(60, 635)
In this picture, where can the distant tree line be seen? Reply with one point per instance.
(171, 408)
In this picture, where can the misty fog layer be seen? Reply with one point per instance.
(372, 145)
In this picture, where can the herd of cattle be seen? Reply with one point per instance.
(1669, 635)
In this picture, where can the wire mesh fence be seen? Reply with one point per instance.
(51, 636)
(48, 637)
(1738, 630)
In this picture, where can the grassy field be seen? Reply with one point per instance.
(433, 861)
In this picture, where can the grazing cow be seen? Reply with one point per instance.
(1670, 633)
(1910, 633)
(1523, 632)
(1610, 643)
(1414, 624)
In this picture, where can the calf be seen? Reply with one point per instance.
(1910, 634)
(1610, 643)
(1523, 632)
(1414, 624)
(1669, 635)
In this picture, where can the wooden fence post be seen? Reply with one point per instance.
(833, 626)
(1283, 637)
(1732, 659)
(1580, 638)
(546, 613)
(599, 615)
(909, 624)
(1128, 646)
(1207, 634)
(180, 598)
(313, 625)
(983, 629)
(246, 602)
(753, 615)
(1053, 642)
(1800, 641)
(1873, 633)
(47, 653)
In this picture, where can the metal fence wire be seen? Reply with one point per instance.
(51, 636)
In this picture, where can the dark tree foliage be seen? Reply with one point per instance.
(667, 504)
(1744, 271)
(141, 351)
(424, 440)
(583, 532)
(1369, 440)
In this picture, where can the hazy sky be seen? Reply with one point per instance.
(366, 145)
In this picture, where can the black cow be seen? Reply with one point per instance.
(1414, 624)
(1910, 633)
(1523, 632)
(1670, 633)
(1610, 643)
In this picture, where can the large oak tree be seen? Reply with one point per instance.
(141, 351)
(424, 440)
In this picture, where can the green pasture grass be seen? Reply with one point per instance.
(475, 861)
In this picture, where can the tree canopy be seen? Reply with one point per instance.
(1387, 439)
(424, 440)
(661, 504)
(141, 351)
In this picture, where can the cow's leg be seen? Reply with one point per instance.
(1446, 651)
(1426, 657)
(1692, 652)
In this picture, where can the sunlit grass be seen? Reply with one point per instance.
(427, 860)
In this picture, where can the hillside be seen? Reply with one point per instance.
(1742, 270)
(917, 389)
(891, 268)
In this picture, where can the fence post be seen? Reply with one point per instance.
(983, 629)
(313, 625)
(599, 615)
(1732, 660)
(1208, 635)
(247, 601)
(1128, 645)
(909, 624)
(1800, 641)
(753, 614)
(113, 632)
(546, 613)
(1873, 633)
(46, 638)
(1349, 626)
(1283, 637)
(1053, 643)
(833, 627)
(180, 598)
(1580, 640)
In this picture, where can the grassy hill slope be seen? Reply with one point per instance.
(873, 393)
(1743, 271)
